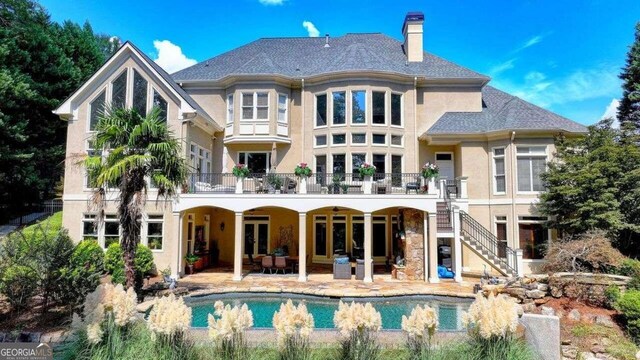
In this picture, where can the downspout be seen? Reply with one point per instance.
(302, 117)
(514, 231)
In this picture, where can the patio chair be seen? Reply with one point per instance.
(341, 268)
(267, 263)
(289, 185)
(281, 264)
(360, 269)
(412, 186)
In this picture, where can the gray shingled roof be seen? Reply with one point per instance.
(500, 112)
(305, 57)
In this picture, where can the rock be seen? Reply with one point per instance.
(597, 349)
(566, 342)
(574, 315)
(570, 352)
(541, 301)
(604, 320)
(517, 292)
(543, 287)
(529, 308)
(606, 342)
(547, 311)
(535, 294)
(587, 356)
(556, 292)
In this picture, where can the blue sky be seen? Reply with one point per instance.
(562, 55)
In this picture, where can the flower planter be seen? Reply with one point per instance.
(368, 182)
(189, 270)
(239, 184)
(303, 185)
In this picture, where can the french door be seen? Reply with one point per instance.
(256, 235)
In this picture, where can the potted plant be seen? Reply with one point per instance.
(275, 183)
(190, 259)
(166, 274)
(429, 170)
(302, 170)
(336, 183)
(240, 171)
(367, 170)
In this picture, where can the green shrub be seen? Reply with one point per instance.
(629, 267)
(18, 284)
(114, 264)
(611, 294)
(497, 348)
(88, 253)
(629, 306)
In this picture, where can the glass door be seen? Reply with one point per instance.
(256, 235)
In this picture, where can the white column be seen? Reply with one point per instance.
(457, 244)
(177, 232)
(433, 248)
(368, 264)
(303, 185)
(432, 187)
(237, 248)
(462, 187)
(367, 184)
(302, 247)
(239, 183)
(519, 263)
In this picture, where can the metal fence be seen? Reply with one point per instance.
(35, 212)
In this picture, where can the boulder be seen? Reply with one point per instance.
(535, 294)
(604, 321)
(574, 315)
(547, 311)
(570, 352)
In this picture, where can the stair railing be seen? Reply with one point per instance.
(472, 229)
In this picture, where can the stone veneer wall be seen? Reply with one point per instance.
(413, 244)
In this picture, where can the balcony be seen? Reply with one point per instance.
(331, 184)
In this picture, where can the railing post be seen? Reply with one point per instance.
(457, 244)
(519, 263)
(367, 184)
(239, 183)
(432, 189)
(462, 187)
(303, 185)
(443, 188)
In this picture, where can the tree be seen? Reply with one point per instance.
(136, 149)
(629, 109)
(42, 63)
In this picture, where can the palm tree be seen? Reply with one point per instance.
(134, 149)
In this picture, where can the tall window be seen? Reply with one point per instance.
(357, 237)
(282, 108)
(396, 109)
(501, 234)
(154, 232)
(111, 230)
(230, 109)
(321, 110)
(339, 234)
(396, 170)
(119, 91)
(532, 162)
(533, 238)
(257, 162)
(499, 178)
(160, 103)
(356, 161)
(339, 102)
(339, 165)
(379, 112)
(358, 107)
(379, 236)
(380, 164)
(139, 94)
(321, 164)
(89, 228)
(320, 234)
(200, 159)
(255, 106)
(97, 107)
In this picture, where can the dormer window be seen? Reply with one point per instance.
(160, 103)
(255, 106)
(96, 108)
(139, 94)
(119, 91)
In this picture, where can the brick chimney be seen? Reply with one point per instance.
(412, 31)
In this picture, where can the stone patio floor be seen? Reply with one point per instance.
(209, 282)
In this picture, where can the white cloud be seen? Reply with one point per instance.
(499, 68)
(271, 2)
(612, 112)
(532, 41)
(311, 29)
(170, 56)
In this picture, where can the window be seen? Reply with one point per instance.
(320, 235)
(321, 110)
(89, 228)
(379, 163)
(499, 177)
(338, 139)
(111, 230)
(91, 151)
(97, 107)
(257, 162)
(396, 140)
(379, 236)
(359, 138)
(358, 107)
(378, 116)
(119, 91)
(200, 159)
(154, 232)
(339, 234)
(531, 162)
(139, 94)
(255, 106)
(321, 140)
(357, 237)
(356, 161)
(501, 235)
(533, 240)
(230, 109)
(379, 139)
(282, 108)
(396, 170)
(396, 109)
(339, 165)
(321, 169)
(339, 113)
(160, 103)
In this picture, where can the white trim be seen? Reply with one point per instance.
(316, 257)
(366, 107)
(145, 231)
(518, 221)
(508, 201)
(230, 106)
(315, 141)
(286, 109)
(254, 106)
(493, 167)
(257, 224)
(453, 160)
(530, 155)
(401, 141)
(332, 107)
(315, 110)
(346, 238)
(401, 126)
(385, 123)
(267, 165)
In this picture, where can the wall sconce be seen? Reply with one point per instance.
(222, 226)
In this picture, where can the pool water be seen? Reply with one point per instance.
(391, 309)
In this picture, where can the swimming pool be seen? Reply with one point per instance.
(391, 309)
